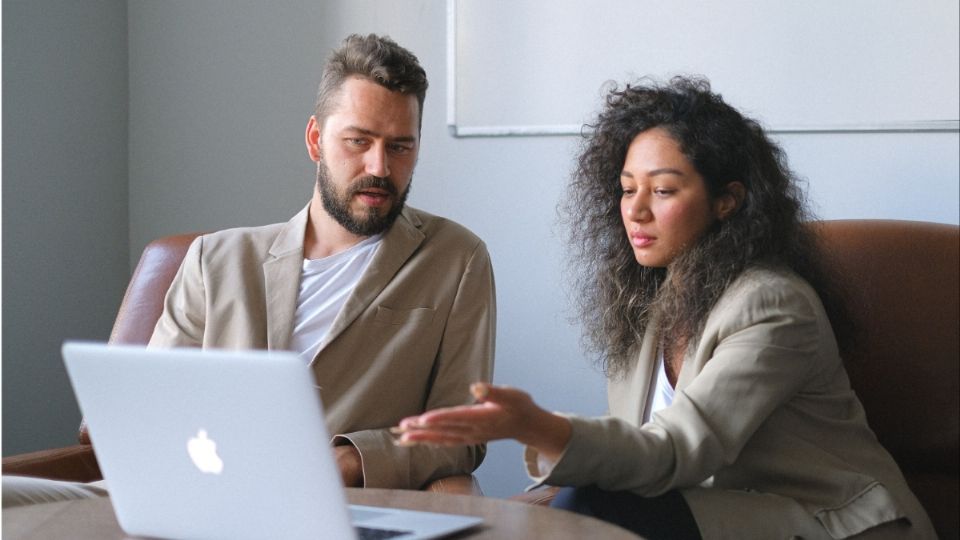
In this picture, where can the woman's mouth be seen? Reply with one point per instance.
(641, 240)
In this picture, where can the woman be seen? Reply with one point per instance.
(731, 414)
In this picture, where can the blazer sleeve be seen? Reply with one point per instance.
(761, 348)
(465, 356)
(184, 317)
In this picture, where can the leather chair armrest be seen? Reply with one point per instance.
(461, 484)
(540, 496)
(75, 463)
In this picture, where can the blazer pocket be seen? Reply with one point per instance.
(871, 507)
(397, 317)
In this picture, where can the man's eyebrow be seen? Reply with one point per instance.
(371, 133)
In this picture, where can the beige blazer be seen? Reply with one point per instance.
(765, 437)
(413, 335)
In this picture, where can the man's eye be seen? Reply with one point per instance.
(355, 141)
(400, 149)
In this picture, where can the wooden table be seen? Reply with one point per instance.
(94, 518)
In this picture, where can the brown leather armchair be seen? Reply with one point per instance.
(902, 281)
(141, 308)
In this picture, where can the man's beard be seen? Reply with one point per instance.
(338, 205)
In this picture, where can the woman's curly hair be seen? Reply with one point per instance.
(617, 296)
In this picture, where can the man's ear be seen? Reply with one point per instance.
(730, 200)
(312, 138)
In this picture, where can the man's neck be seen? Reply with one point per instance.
(324, 236)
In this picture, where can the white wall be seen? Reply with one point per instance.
(219, 95)
(816, 63)
(65, 246)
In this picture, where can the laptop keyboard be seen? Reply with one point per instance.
(366, 533)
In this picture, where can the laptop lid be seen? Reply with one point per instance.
(199, 443)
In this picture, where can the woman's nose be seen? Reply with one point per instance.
(639, 210)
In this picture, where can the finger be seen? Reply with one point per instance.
(440, 438)
(472, 430)
(429, 416)
(491, 393)
(443, 438)
(415, 422)
(461, 414)
(479, 390)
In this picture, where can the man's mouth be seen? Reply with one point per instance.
(373, 196)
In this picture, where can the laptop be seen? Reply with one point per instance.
(223, 444)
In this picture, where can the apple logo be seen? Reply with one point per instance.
(203, 452)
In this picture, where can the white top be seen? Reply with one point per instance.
(660, 395)
(325, 285)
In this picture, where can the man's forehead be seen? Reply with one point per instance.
(360, 130)
(364, 105)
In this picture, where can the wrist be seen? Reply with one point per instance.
(350, 464)
(551, 435)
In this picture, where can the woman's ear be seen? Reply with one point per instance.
(730, 200)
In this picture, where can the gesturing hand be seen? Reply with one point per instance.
(501, 412)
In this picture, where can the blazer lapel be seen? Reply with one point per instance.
(627, 396)
(399, 243)
(281, 277)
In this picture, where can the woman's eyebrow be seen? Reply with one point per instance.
(655, 172)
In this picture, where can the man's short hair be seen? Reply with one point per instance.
(376, 58)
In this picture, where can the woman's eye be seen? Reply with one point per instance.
(664, 192)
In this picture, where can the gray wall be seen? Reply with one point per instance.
(219, 95)
(65, 224)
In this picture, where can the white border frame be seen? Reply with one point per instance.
(459, 131)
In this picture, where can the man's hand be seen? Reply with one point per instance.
(351, 467)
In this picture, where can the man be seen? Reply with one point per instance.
(393, 308)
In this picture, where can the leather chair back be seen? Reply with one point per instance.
(143, 301)
(902, 282)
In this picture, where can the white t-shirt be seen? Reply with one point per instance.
(325, 285)
(660, 395)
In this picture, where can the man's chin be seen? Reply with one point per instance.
(367, 214)
(372, 221)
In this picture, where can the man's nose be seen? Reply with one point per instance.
(376, 161)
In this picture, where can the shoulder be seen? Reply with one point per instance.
(761, 295)
(240, 240)
(442, 232)
(765, 286)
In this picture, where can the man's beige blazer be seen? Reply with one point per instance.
(413, 335)
(765, 438)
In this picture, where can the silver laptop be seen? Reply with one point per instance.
(223, 444)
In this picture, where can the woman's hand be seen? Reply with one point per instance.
(501, 412)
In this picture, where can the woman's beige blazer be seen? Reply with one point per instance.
(765, 437)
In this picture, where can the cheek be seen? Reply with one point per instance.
(671, 216)
(685, 221)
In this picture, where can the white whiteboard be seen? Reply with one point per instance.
(539, 66)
